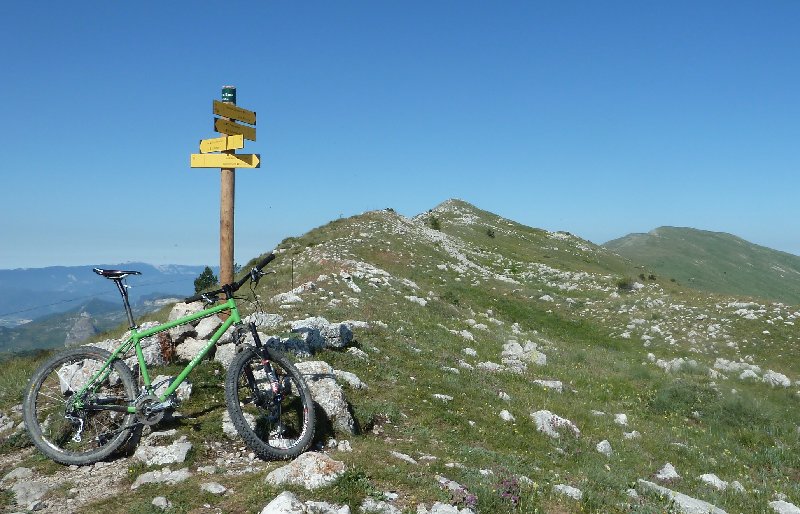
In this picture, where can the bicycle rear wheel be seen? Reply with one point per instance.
(275, 420)
(58, 421)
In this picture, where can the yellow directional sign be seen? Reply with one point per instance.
(219, 144)
(233, 112)
(224, 160)
(228, 127)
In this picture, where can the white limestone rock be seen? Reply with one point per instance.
(551, 424)
(310, 470)
(321, 380)
(679, 501)
(164, 475)
(604, 447)
(667, 472)
(568, 490)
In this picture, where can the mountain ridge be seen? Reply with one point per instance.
(494, 367)
(714, 261)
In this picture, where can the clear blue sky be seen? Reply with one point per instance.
(598, 118)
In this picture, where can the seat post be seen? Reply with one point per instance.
(124, 292)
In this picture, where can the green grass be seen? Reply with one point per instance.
(715, 262)
(687, 418)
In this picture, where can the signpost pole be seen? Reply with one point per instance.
(226, 204)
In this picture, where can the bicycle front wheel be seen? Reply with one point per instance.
(73, 430)
(274, 416)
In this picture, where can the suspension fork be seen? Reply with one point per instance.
(266, 364)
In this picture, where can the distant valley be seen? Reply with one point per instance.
(48, 307)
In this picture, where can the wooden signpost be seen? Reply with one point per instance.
(227, 161)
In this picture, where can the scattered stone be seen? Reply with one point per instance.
(284, 503)
(507, 416)
(550, 424)
(776, 379)
(504, 396)
(225, 354)
(161, 502)
(286, 299)
(516, 357)
(350, 379)
(667, 472)
(344, 446)
(159, 455)
(164, 475)
(784, 507)
(264, 320)
(443, 397)
(321, 380)
(568, 490)
(372, 506)
(683, 503)
(319, 333)
(421, 301)
(470, 352)
(181, 310)
(442, 508)
(604, 447)
(310, 470)
(357, 352)
(714, 481)
(28, 493)
(489, 366)
(748, 374)
(621, 419)
(555, 385)
(214, 488)
(189, 348)
(403, 457)
(6, 423)
(207, 326)
(632, 435)
(18, 474)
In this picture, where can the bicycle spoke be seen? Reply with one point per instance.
(74, 429)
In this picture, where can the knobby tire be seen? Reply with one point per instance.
(273, 430)
(53, 427)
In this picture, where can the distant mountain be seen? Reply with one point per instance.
(715, 262)
(74, 326)
(27, 294)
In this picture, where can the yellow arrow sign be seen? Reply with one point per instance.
(219, 144)
(231, 128)
(224, 160)
(233, 112)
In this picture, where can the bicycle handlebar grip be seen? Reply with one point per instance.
(193, 299)
(258, 267)
(202, 296)
(266, 261)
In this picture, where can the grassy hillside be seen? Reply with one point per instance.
(715, 261)
(443, 294)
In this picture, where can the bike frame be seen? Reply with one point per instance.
(134, 340)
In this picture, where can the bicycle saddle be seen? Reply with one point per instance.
(115, 274)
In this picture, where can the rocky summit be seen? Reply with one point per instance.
(461, 362)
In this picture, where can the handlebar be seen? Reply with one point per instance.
(253, 275)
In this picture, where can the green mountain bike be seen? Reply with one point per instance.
(83, 404)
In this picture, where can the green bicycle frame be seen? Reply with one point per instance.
(134, 340)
